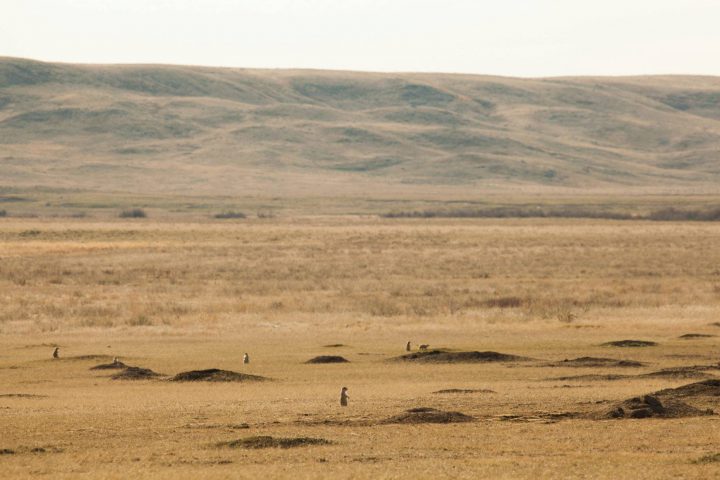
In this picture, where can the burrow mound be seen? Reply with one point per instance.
(706, 388)
(649, 406)
(110, 366)
(216, 375)
(328, 359)
(428, 415)
(693, 371)
(21, 395)
(442, 356)
(136, 373)
(630, 343)
(82, 358)
(464, 390)
(596, 362)
(591, 377)
(273, 442)
(687, 372)
(690, 336)
(335, 345)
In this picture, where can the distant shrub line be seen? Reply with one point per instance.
(665, 214)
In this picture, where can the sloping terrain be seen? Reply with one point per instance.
(197, 130)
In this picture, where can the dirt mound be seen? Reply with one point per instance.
(110, 366)
(711, 458)
(21, 395)
(429, 415)
(690, 336)
(706, 388)
(216, 375)
(136, 373)
(651, 406)
(714, 324)
(273, 442)
(42, 345)
(694, 371)
(328, 359)
(85, 357)
(442, 356)
(335, 345)
(465, 390)
(596, 362)
(592, 377)
(630, 343)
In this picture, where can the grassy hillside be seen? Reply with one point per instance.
(213, 131)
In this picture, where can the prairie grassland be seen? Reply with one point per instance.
(182, 296)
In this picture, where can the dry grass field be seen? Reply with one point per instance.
(173, 297)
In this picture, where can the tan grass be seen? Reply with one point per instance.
(186, 296)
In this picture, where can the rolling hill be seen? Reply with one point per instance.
(152, 129)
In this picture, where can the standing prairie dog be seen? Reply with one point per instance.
(246, 359)
(407, 347)
(56, 353)
(344, 397)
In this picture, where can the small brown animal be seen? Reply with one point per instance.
(56, 353)
(246, 359)
(407, 347)
(424, 347)
(344, 397)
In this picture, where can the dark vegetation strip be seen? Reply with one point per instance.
(663, 215)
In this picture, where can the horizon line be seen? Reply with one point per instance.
(362, 71)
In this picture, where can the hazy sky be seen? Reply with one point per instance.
(506, 37)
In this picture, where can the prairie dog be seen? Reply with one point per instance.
(407, 347)
(344, 397)
(246, 359)
(56, 353)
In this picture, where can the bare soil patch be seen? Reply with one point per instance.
(136, 373)
(596, 362)
(328, 359)
(273, 442)
(216, 375)
(630, 343)
(442, 356)
(428, 415)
